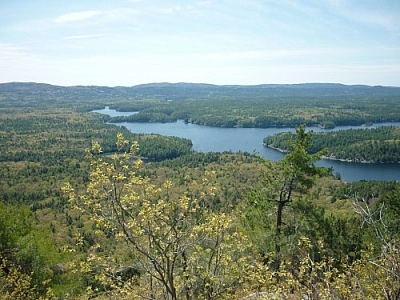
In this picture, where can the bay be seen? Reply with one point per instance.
(215, 139)
(113, 112)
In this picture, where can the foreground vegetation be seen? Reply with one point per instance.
(147, 217)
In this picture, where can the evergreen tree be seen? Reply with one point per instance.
(290, 178)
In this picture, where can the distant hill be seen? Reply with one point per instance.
(177, 91)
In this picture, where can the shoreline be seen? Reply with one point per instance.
(334, 158)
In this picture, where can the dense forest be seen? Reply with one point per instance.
(327, 105)
(378, 145)
(89, 210)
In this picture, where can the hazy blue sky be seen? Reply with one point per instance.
(122, 42)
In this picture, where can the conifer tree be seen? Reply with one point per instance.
(282, 182)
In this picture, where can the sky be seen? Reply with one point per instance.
(246, 42)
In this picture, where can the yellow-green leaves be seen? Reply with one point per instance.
(177, 246)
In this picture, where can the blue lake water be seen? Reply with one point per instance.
(214, 139)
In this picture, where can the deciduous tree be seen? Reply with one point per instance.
(178, 248)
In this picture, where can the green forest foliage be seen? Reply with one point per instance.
(267, 112)
(27, 251)
(327, 105)
(380, 145)
(39, 148)
(207, 212)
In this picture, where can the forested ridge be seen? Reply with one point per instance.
(262, 106)
(89, 210)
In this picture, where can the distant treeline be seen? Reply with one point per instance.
(327, 105)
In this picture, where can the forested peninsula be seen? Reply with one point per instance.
(90, 210)
(377, 145)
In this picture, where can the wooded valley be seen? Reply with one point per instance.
(89, 210)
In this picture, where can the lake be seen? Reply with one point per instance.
(215, 139)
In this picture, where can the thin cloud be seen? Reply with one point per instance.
(376, 15)
(83, 36)
(224, 42)
(9, 52)
(77, 16)
(280, 53)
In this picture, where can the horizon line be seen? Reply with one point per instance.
(200, 83)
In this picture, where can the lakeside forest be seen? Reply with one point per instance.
(91, 210)
(377, 145)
